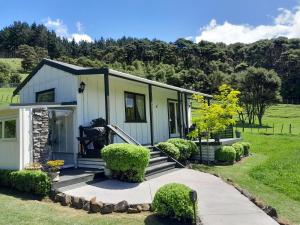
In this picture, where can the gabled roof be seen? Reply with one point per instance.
(78, 70)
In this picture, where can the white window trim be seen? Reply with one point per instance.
(3, 120)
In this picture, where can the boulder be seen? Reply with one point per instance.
(134, 209)
(86, 205)
(121, 207)
(271, 211)
(145, 207)
(95, 207)
(66, 201)
(77, 202)
(107, 208)
(59, 197)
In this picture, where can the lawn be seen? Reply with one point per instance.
(23, 209)
(272, 172)
(281, 117)
(5, 96)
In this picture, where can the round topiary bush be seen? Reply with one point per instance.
(246, 146)
(127, 162)
(226, 154)
(239, 149)
(173, 200)
(169, 149)
(186, 148)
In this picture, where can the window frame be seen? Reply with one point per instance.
(135, 107)
(3, 121)
(43, 92)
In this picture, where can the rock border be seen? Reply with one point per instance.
(269, 210)
(95, 206)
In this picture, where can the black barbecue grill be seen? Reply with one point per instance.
(93, 138)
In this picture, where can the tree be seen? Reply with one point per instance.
(217, 116)
(260, 89)
(5, 72)
(29, 57)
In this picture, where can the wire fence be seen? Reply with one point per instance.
(269, 128)
(5, 98)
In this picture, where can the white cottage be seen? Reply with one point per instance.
(145, 111)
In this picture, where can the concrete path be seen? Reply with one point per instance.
(219, 203)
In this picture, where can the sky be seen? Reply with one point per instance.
(227, 21)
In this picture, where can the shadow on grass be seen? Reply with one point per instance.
(20, 195)
(154, 219)
(247, 125)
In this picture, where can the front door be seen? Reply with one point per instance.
(173, 118)
(61, 135)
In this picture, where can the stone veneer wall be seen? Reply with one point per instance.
(40, 134)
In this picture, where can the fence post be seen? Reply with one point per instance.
(267, 128)
(243, 126)
(281, 128)
(273, 129)
(290, 128)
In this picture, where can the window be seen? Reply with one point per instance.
(135, 108)
(8, 129)
(45, 96)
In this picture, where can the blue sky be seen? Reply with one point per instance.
(237, 20)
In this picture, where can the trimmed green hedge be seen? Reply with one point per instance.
(127, 162)
(186, 148)
(239, 149)
(246, 146)
(226, 154)
(173, 200)
(31, 181)
(169, 149)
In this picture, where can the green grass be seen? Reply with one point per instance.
(280, 116)
(5, 96)
(24, 210)
(15, 64)
(271, 173)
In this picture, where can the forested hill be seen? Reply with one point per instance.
(201, 66)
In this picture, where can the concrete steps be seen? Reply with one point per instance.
(93, 163)
(69, 177)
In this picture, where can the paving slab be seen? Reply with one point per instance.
(219, 203)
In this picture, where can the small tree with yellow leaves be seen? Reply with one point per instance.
(217, 116)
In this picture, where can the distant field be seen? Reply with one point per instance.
(15, 64)
(281, 117)
(5, 96)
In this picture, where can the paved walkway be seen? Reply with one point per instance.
(219, 202)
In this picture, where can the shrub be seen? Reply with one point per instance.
(246, 146)
(173, 200)
(239, 149)
(169, 149)
(186, 148)
(31, 181)
(127, 162)
(226, 154)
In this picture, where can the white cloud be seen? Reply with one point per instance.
(81, 37)
(286, 24)
(62, 30)
(79, 27)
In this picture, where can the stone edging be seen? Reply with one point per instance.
(269, 210)
(94, 206)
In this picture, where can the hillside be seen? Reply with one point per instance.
(200, 66)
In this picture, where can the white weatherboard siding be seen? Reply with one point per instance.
(118, 87)
(65, 85)
(91, 104)
(160, 112)
(9, 149)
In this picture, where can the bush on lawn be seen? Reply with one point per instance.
(226, 154)
(169, 149)
(31, 181)
(246, 146)
(186, 148)
(127, 162)
(239, 149)
(173, 200)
